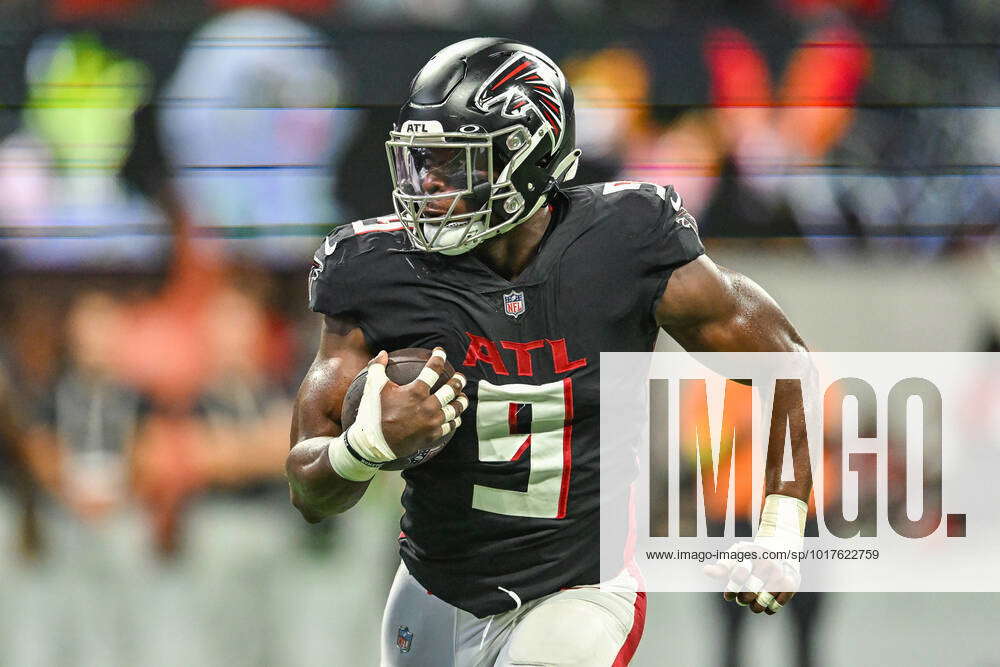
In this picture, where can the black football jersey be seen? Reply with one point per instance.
(508, 511)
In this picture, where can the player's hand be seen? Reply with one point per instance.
(766, 584)
(394, 421)
(762, 584)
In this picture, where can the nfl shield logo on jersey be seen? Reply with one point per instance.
(404, 639)
(513, 304)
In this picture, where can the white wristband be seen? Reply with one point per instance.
(783, 520)
(346, 464)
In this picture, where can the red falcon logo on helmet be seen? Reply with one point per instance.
(519, 85)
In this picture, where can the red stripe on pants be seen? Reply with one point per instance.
(634, 635)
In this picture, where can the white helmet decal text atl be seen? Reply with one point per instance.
(422, 127)
(518, 84)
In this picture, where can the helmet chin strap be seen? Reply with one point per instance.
(566, 170)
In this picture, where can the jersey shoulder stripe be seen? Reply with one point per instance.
(385, 223)
(618, 186)
(633, 204)
(643, 197)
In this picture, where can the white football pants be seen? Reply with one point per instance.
(582, 626)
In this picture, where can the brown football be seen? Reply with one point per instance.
(404, 366)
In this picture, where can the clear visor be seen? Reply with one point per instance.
(445, 187)
(436, 170)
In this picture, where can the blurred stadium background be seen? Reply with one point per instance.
(166, 169)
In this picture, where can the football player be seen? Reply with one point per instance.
(521, 282)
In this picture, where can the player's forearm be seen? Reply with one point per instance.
(788, 401)
(742, 317)
(781, 336)
(317, 491)
(778, 335)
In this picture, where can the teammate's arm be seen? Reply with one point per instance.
(328, 471)
(708, 308)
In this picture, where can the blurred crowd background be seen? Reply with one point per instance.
(167, 168)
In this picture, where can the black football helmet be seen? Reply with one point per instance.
(485, 137)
